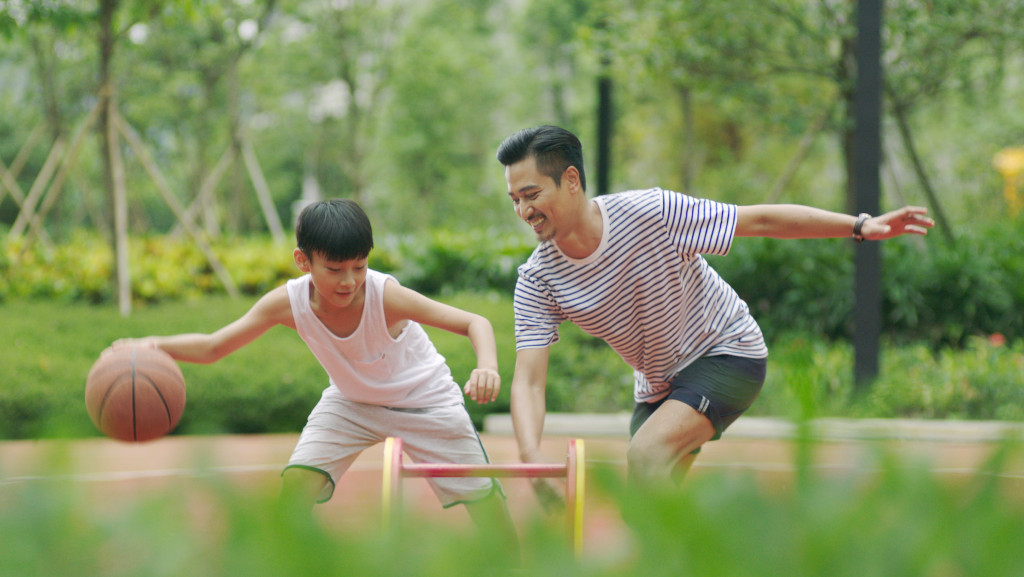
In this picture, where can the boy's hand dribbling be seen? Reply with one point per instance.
(483, 385)
(145, 342)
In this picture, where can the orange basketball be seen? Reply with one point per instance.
(135, 394)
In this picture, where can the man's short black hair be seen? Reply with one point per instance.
(338, 229)
(555, 149)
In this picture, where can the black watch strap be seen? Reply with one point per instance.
(857, 235)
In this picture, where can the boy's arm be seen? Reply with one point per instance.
(401, 303)
(797, 221)
(272, 309)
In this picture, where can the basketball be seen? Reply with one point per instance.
(135, 394)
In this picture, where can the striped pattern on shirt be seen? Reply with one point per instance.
(646, 290)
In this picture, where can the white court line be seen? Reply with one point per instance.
(111, 476)
(789, 468)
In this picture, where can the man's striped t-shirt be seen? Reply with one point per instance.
(646, 290)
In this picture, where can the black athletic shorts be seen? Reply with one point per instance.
(719, 387)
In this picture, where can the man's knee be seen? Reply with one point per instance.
(649, 455)
(668, 438)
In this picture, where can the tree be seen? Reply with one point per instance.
(440, 104)
(747, 48)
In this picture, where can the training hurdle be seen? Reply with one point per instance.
(573, 471)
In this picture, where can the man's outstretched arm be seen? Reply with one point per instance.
(798, 221)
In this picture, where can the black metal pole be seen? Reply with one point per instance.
(605, 118)
(867, 148)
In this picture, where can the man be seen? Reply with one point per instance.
(627, 268)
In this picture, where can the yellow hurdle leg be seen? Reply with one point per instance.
(575, 483)
(391, 489)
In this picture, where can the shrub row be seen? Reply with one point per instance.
(172, 268)
(933, 290)
(271, 385)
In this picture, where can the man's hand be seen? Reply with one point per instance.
(550, 495)
(907, 220)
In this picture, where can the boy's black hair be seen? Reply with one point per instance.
(338, 229)
(555, 149)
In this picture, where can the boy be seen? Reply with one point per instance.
(386, 377)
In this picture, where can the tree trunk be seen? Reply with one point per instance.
(113, 178)
(689, 139)
(922, 176)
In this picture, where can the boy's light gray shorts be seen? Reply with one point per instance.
(338, 430)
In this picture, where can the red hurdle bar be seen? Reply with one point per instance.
(530, 470)
(573, 471)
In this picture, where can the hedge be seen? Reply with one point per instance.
(933, 290)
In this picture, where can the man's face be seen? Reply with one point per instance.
(535, 197)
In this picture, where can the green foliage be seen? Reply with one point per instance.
(981, 382)
(886, 518)
(445, 261)
(173, 268)
(273, 383)
(809, 378)
(793, 285)
(953, 343)
(896, 521)
(949, 293)
(941, 293)
(586, 375)
(161, 268)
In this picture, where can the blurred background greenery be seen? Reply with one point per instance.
(239, 110)
(402, 104)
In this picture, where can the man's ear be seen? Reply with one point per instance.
(571, 176)
(301, 260)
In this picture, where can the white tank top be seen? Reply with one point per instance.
(369, 366)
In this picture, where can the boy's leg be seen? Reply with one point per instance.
(331, 440)
(300, 488)
(447, 435)
(492, 517)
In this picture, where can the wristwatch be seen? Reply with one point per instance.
(857, 235)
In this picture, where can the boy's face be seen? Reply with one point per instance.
(339, 284)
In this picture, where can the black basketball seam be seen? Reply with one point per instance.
(160, 394)
(106, 397)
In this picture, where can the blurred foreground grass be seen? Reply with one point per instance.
(886, 519)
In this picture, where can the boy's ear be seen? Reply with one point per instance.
(300, 260)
